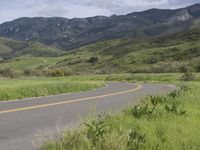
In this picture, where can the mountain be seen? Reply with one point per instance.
(68, 34)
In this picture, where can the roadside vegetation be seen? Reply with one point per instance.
(158, 122)
(43, 86)
(33, 87)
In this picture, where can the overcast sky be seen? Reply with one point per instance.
(12, 9)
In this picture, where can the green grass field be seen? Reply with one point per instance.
(44, 86)
(33, 87)
(159, 122)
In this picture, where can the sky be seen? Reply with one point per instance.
(12, 9)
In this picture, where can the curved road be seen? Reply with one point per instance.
(22, 122)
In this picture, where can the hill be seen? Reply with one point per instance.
(67, 34)
(12, 48)
(170, 53)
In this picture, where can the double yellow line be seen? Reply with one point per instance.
(69, 101)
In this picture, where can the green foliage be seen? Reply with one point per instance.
(9, 72)
(96, 129)
(57, 73)
(171, 53)
(11, 49)
(93, 60)
(147, 131)
(188, 76)
(69, 141)
(135, 140)
(175, 108)
(142, 111)
(155, 100)
(154, 106)
(175, 93)
(34, 87)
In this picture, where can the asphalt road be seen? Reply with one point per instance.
(23, 122)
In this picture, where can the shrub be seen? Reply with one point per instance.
(196, 64)
(184, 88)
(174, 107)
(135, 140)
(57, 73)
(154, 106)
(140, 111)
(155, 100)
(174, 94)
(188, 76)
(152, 60)
(93, 60)
(96, 130)
(9, 72)
(185, 69)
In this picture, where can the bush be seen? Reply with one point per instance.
(9, 72)
(151, 60)
(175, 108)
(96, 130)
(57, 73)
(184, 69)
(188, 76)
(196, 64)
(155, 100)
(135, 140)
(174, 94)
(140, 111)
(93, 60)
(154, 106)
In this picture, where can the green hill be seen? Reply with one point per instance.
(172, 53)
(11, 48)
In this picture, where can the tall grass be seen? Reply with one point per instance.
(147, 77)
(163, 123)
(25, 88)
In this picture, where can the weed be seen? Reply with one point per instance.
(175, 108)
(140, 111)
(155, 100)
(135, 140)
(184, 88)
(188, 76)
(174, 94)
(96, 130)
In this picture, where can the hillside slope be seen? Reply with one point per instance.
(68, 34)
(11, 48)
(171, 53)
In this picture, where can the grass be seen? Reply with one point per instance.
(24, 63)
(34, 87)
(159, 122)
(172, 53)
(44, 86)
(141, 77)
(12, 48)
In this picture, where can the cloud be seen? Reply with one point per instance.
(13, 9)
(125, 6)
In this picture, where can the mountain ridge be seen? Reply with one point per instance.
(67, 34)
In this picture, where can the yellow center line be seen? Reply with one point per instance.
(69, 101)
